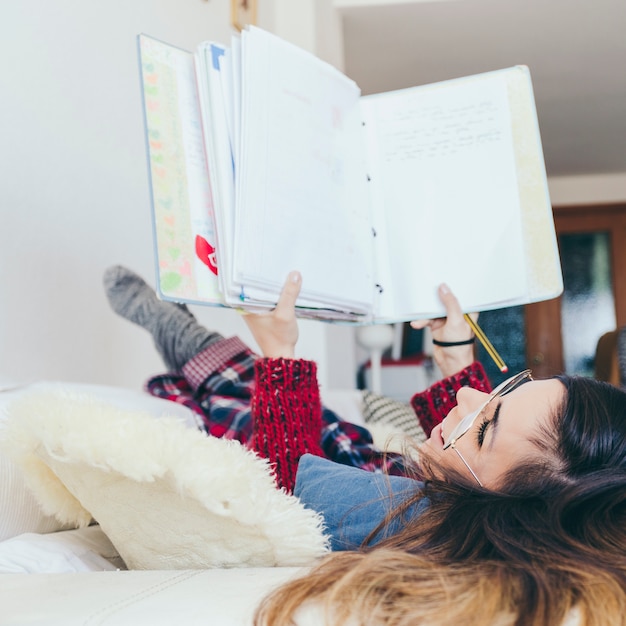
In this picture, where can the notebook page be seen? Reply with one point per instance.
(302, 203)
(235, 68)
(219, 77)
(545, 277)
(445, 187)
(218, 147)
(181, 197)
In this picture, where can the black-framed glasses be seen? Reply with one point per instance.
(468, 421)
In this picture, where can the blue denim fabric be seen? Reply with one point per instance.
(352, 501)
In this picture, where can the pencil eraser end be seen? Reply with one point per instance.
(504, 369)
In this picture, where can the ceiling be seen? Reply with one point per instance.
(575, 49)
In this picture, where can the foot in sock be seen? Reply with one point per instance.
(177, 334)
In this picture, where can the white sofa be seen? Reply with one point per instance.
(215, 597)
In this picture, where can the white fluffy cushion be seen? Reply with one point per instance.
(167, 496)
(19, 510)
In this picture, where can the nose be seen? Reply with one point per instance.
(468, 400)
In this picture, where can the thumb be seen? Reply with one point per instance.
(450, 302)
(290, 292)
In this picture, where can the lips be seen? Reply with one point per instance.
(436, 436)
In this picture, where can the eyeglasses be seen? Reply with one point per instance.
(468, 421)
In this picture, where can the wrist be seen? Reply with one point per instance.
(279, 352)
(454, 357)
(453, 344)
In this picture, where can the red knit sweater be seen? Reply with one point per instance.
(287, 412)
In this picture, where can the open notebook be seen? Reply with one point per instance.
(263, 159)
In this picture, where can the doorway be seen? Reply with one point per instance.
(561, 334)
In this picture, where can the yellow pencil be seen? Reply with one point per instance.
(491, 351)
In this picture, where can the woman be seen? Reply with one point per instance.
(521, 518)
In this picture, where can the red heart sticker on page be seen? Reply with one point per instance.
(206, 253)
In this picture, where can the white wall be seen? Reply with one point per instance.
(592, 189)
(75, 187)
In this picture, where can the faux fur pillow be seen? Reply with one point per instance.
(19, 511)
(167, 496)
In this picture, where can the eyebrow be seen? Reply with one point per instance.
(493, 422)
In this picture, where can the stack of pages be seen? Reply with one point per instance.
(264, 159)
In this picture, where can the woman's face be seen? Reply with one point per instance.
(501, 435)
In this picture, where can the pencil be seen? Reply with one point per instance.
(491, 351)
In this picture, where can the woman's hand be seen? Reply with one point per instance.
(276, 332)
(451, 328)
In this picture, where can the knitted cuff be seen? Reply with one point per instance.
(432, 405)
(287, 411)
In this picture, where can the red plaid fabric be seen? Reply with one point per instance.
(216, 358)
(273, 407)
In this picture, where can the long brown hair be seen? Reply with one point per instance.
(550, 540)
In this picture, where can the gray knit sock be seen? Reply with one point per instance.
(177, 334)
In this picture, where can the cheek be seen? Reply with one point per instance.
(433, 448)
(449, 459)
(469, 451)
(491, 465)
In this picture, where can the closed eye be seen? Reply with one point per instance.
(480, 437)
(486, 423)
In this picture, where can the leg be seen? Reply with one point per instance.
(177, 335)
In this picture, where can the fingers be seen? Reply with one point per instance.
(289, 294)
(448, 299)
(450, 329)
(433, 324)
(454, 312)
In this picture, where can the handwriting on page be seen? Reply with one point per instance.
(433, 130)
(182, 203)
(444, 158)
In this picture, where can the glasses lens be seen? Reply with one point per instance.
(511, 383)
(464, 425)
(502, 389)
